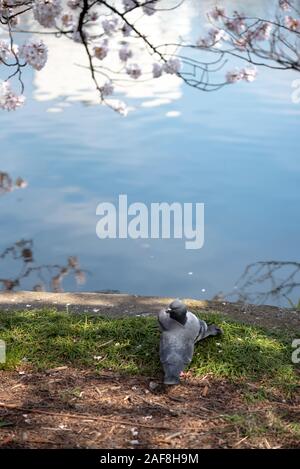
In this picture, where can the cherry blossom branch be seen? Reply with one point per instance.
(101, 26)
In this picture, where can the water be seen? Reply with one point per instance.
(236, 150)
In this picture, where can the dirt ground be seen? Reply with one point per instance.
(68, 408)
(73, 408)
(117, 305)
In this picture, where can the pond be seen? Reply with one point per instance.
(236, 150)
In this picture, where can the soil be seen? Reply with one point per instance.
(71, 408)
(118, 305)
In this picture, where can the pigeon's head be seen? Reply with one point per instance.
(177, 311)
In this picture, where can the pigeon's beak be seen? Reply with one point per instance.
(168, 310)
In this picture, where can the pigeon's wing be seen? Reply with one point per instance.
(176, 348)
(202, 330)
(196, 327)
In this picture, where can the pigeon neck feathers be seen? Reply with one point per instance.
(179, 317)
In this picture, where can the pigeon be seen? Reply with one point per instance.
(180, 330)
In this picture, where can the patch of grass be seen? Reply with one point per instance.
(47, 338)
(252, 397)
(263, 424)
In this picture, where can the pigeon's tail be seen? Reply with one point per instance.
(172, 373)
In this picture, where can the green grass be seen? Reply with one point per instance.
(256, 424)
(47, 338)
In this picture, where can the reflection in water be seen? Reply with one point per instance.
(7, 184)
(45, 277)
(235, 150)
(265, 281)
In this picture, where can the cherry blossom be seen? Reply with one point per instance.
(129, 4)
(263, 32)
(125, 53)
(134, 71)
(103, 28)
(237, 24)
(107, 89)
(9, 101)
(35, 52)
(149, 8)
(5, 50)
(172, 66)
(110, 25)
(157, 70)
(20, 183)
(126, 30)
(284, 5)
(46, 12)
(248, 74)
(73, 4)
(216, 35)
(217, 13)
(67, 19)
(101, 50)
(233, 76)
(241, 43)
(292, 23)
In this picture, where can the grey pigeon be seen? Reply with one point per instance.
(180, 330)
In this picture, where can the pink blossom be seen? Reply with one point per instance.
(172, 66)
(67, 19)
(101, 50)
(249, 74)
(35, 52)
(292, 23)
(93, 16)
(233, 76)
(241, 43)
(5, 50)
(149, 8)
(263, 32)
(217, 13)
(284, 5)
(46, 12)
(157, 70)
(203, 42)
(73, 4)
(20, 183)
(125, 53)
(216, 35)
(10, 101)
(237, 25)
(126, 30)
(107, 89)
(134, 71)
(129, 4)
(109, 25)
